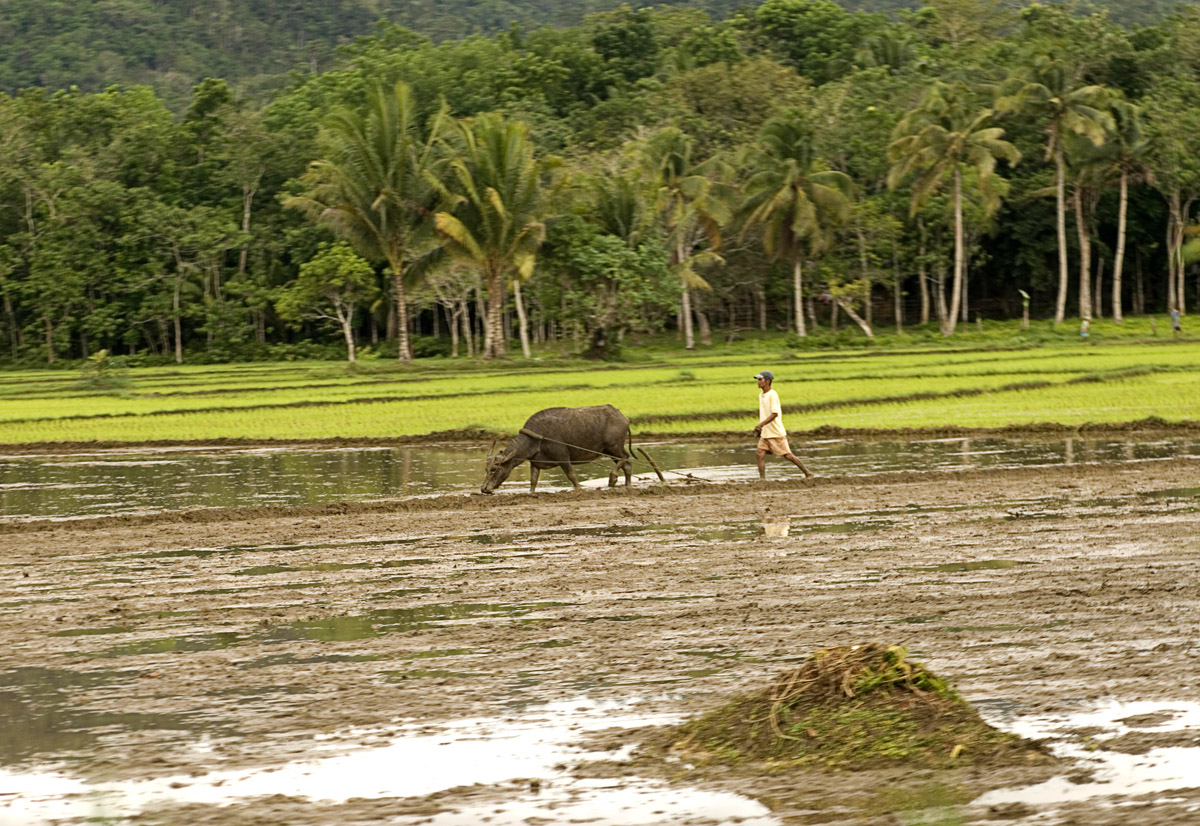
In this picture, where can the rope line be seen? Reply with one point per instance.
(632, 460)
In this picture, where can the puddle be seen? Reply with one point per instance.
(335, 629)
(387, 621)
(1082, 737)
(165, 645)
(776, 527)
(41, 716)
(292, 659)
(962, 567)
(1174, 493)
(145, 481)
(504, 754)
(87, 632)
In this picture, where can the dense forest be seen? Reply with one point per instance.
(793, 166)
(255, 45)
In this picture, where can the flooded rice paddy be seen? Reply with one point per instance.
(133, 480)
(501, 659)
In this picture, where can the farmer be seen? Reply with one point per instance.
(771, 435)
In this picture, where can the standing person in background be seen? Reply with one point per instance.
(771, 435)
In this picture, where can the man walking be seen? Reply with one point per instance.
(771, 435)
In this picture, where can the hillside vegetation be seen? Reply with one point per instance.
(173, 44)
(796, 169)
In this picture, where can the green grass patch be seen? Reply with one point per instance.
(711, 390)
(848, 708)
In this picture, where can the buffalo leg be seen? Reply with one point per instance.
(612, 477)
(569, 469)
(534, 473)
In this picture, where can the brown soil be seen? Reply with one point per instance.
(1040, 587)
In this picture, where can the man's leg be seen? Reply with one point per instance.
(795, 460)
(762, 463)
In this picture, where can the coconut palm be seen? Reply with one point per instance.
(693, 201)
(1051, 88)
(618, 205)
(494, 197)
(1128, 150)
(944, 136)
(793, 199)
(371, 184)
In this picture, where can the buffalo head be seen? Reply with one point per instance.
(498, 468)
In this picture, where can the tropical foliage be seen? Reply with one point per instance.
(579, 188)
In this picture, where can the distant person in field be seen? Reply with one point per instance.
(1176, 324)
(771, 435)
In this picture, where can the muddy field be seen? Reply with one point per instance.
(143, 650)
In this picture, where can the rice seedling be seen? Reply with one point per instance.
(878, 389)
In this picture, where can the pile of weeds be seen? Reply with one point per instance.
(851, 707)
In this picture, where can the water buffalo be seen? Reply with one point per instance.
(564, 437)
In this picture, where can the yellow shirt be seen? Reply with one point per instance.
(768, 403)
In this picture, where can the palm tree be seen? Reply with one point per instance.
(1050, 87)
(371, 185)
(1128, 150)
(792, 197)
(618, 206)
(693, 202)
(941, 138)
(495, 202)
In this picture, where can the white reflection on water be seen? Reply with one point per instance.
(1114, 774)
(415, 761)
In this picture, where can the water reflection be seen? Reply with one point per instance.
(40, 716)
(504, 755)
(776, 526)
(136, 480)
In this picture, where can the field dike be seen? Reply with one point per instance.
(850, 708)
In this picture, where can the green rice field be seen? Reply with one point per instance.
(671, 393)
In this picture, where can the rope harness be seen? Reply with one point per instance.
(524, 431)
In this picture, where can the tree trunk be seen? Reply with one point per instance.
(798, 295)
(494, 345)
(921, 275)
(1139, 290)
(178, 323)
(50, 354)
(705, 328)
(468, 331)
(1181, 272)
(1085, 257)
(1174, 222)
(1118, 311)
(897, 295)
(403, 343)
(964, 312)
(859, 320)
(522, 321)
(13, 330)
(247, 199)
(951, 319)
(760, 302)
(1060, 303)
(348, 333)
(1098, 288)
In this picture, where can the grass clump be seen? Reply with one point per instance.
(851, 707)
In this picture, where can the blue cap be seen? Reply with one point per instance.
(766, 374)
